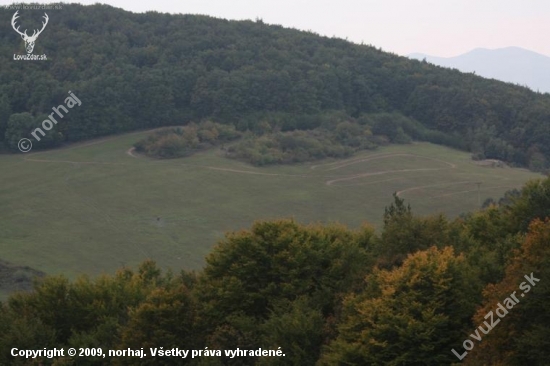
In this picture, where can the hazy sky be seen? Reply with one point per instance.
(436, 27)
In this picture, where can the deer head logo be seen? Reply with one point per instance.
(29, 40)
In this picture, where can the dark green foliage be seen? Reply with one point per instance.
(296, 261)
(397, 210)
(24, 331)
(298, 327)
(105, 312)
(5, 113)
(270, 275)
(404, 233)
(489, 237)
(166, 318)
(532, 203)
(21, 125)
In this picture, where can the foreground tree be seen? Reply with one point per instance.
(404, 234)
(408, 316)
(85, 313)
(522, 336)
(532, 203)
(257, 283)
(165, 319)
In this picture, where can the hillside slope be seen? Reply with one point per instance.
(134, 71)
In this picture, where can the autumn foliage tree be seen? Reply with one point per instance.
(410, 315)
(522, 336)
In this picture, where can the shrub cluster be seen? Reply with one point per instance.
(177, 142)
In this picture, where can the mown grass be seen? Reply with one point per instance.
(92, 208)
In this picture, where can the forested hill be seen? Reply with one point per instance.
(134, 71)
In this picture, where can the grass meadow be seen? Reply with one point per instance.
(94, 207)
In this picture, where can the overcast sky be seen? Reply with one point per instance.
(436, 27)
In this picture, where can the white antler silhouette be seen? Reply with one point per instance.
(29, 40)
(17, 29)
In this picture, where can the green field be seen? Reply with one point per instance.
(94, 207)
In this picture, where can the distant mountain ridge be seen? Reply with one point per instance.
(511, 64)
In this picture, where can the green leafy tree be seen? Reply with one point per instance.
(403, 233)
(19, 126)
(166, 318)
(533, 203)
(5, 113)
(251, 276)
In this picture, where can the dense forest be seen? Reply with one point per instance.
(416, 293)
(137, 71)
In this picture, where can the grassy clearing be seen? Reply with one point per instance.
(94, 207)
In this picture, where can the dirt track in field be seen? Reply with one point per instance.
(332, 179)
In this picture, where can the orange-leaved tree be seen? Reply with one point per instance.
(410, 315)
(522, 335)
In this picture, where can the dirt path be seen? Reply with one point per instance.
(100, 140)
(357, 176)
(431, 186)
(258, 173)
(472, 190)
(341, 164)
(130, 152)
(77, 145)
(73, 162)
(331, 166)
(368, 183)
(351, 160)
